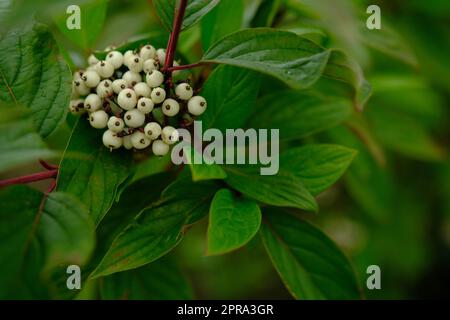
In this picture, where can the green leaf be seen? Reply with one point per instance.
(284, 55)
(318, 165)
(160, 280)
(37, 238)
(202, 171)
(283, 189)
(231, 94)
(233, 222)
(266, 13)
(91, 172)
(299, 114)
(224, 19)
(92, 17)
(309, 263)
(33, 75)
(157, 229)
(195, 11)
(19, 142)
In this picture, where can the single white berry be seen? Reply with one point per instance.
(132, 78)
(152, 130)
(127, 144)
(145, 105)
(140, 141)
(155, 78)
(134, 118)
(77, 75)
(142, 90)
(91, 79)
(150, 65)
(104, 69)
(80, 87)
(170, 107)
(93, 102)
(147, 52)
(184, 91)
(119, 85)
(197, 105)
(128, 57)
(115, 58)
(169, 135)
(161, 56)
(127, 99)
(135, 64)
(158, 95)
(76, 107)
(111, 140)
(116, 124)
(160, 148)
(98, 119)
(105, 89)
(92, 60)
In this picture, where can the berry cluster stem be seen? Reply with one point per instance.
(174, 36)
(51, 173)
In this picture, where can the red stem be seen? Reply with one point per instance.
(174, 35)
(30, 178)
(47, 165)
(185, 67)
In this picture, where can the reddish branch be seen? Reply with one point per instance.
(174, 36)
(185, 67)
(51, 173)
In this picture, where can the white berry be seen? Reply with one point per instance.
(119, 85)
(92, 102)
(116, 124)
(134, 118)
(115, 58)
(132, 78)
(80, 87)
(170, 107)
(147, 52)
(150, 65)
(145, 105)
(184, 91)
(155, 78)
(111, 140)
(98, 119)
(91, 79)
(135, 64)
(104, 69)
(160, 148)
(127, 99)
(142, 90)
(158, 95)
(140, 141)
(152, 130)
(169, 135)
(197, 105)
(105, 89)
(161, 55)
(76, 107)
(92, 60)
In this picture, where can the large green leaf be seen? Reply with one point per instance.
(92, 17)
(160, 280)
(283, 189)
(298, 114)
(37, 238)
(233, 222)
(309, 263)
(195, 11)
(289, 57)
(202, 171)
(231, 94)
(33, 75)
(19, 142)
(318, 165)
(91, 172)
(224, 19)
(159, 228)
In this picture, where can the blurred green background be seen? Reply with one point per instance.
(392, 208)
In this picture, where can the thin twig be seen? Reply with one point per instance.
(174, 35)
(185, 67)
(51, 174)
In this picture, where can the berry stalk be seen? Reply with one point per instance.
(51, 174)
(174, 35)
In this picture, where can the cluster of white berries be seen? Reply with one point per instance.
(125, 93)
